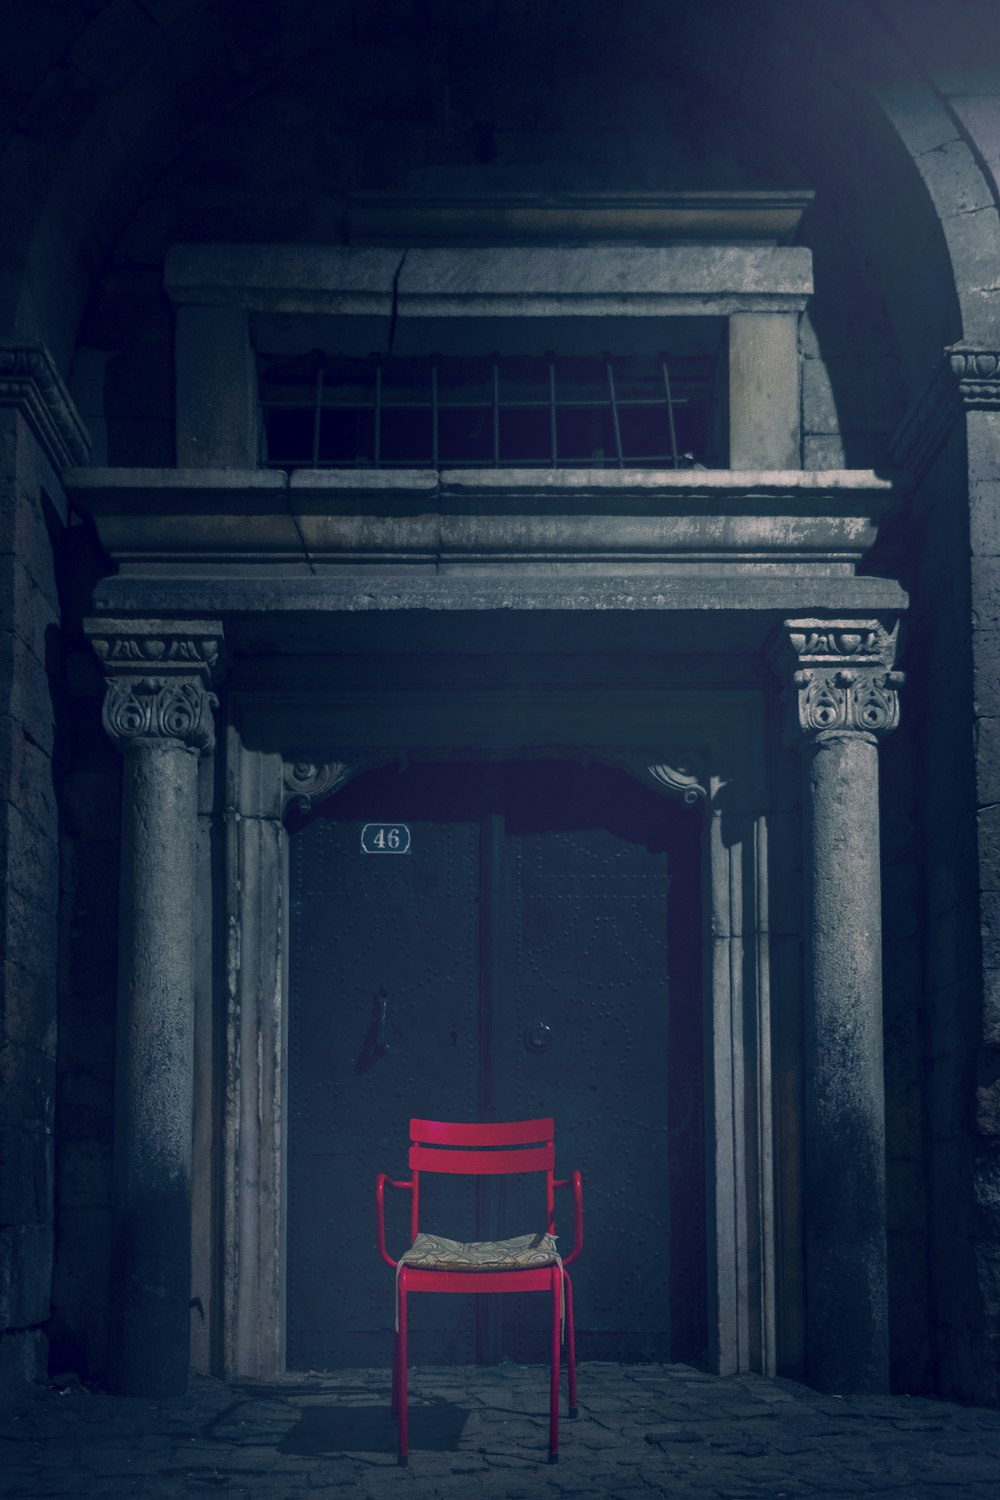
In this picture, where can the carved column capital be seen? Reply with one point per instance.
(842, 675)
(157, 680)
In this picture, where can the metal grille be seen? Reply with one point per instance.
(502, 411)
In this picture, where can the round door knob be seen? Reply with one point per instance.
(538, 1038)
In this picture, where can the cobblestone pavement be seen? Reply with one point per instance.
(643, 1430)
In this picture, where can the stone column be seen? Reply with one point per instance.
(845, 696)
(158, 711)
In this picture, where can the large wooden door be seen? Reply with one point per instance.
(535, 951)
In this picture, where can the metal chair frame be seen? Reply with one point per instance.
(484, 1150)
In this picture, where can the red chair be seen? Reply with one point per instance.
(528, 1263)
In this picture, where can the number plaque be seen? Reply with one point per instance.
(385, 838)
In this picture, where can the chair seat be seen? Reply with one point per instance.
(432, 1252)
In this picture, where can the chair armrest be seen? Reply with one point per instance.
(381, 1182)
(576, 1183)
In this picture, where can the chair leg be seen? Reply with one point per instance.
(554, 1376)
(570, 1347)
(401, 1412)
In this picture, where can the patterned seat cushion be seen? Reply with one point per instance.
(432, 1252)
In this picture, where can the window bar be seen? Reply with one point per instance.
(670, 410)
(434, 416)
(552, 410)
(496, 411)
(317, 413)
(378, 413)
(614, 411)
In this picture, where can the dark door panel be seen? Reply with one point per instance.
(529, 962)
(367, 930)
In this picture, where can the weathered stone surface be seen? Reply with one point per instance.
(23, 1358)
(216, 389)
(29, 856)
(764, 402)
(988, 1093)
(28, 971)
(955, 179)
(28, 769)
(986, 741)
(334, 1433)
(25, 1173)
(25, 1274)
(24, 684)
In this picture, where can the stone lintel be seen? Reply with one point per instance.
(967, 378)
(723, 595)
(31, 383)
(499, 281)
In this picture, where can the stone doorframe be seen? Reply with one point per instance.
(707, 747)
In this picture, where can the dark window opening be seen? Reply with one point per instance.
(557, 411)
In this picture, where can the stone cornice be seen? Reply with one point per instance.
(967, 379)
(157, 680)
(176, 520)
(842, 673)
(412, 219)
(30, 382)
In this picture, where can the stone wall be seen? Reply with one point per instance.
(31, 522)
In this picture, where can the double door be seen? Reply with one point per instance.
(496, 942)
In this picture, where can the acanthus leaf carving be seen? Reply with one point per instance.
(842, 674)
(158, 710)
(157, 680)
(163, 652)
(865, 701)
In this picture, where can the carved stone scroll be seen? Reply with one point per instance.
(308, 781)
(685, 776)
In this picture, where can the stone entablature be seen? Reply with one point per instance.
(819, 522)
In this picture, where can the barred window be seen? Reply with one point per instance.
(611, 410)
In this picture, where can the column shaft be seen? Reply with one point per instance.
(158, 711)
(151, 1262)
(847, 1317)
(846, 695)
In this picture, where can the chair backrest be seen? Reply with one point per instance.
(483, 1150)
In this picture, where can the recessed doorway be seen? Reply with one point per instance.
(525, 940)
